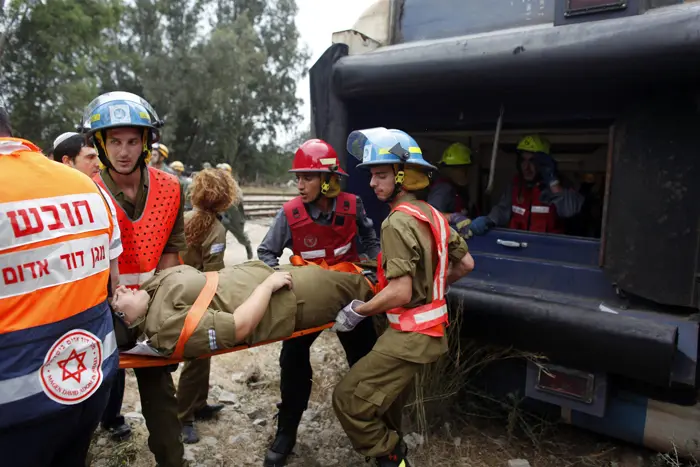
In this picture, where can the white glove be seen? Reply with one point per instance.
(348, 318)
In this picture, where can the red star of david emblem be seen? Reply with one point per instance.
(67, 373)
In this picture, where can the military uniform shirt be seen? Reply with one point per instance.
(176, 241)
(210, 255)
(408, 248)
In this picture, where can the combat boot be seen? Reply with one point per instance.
(285, 440)
(397, 457)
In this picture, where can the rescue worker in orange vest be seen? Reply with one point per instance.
(535, 200)
(124, 127)
(58, 354)
(322, 223)
(421, 255)
(72, 150)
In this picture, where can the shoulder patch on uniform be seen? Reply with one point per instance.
(217, 248)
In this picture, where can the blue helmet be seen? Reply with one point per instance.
(118, 110)
(380, 146)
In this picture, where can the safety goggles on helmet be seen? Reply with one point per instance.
(381, 146)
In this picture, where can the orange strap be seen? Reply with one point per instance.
(141, 361)
(345, 266)
(194, 316)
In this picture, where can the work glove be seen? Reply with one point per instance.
(547, 168)
(460, 223)
(347, 318)
(481, 225)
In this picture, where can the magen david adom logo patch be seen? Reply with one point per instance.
(72, 369)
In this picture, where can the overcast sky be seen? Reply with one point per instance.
(317, 21)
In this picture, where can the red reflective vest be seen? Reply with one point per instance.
(428, 319)
(144, 238)
(529, 213)
(333, 243)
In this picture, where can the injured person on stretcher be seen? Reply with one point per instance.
(253, 303)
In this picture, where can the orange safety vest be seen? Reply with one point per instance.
(428, 319)
(144, 238)
(57, 343)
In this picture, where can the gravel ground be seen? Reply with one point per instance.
(248, 383)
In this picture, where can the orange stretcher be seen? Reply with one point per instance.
(200, 307)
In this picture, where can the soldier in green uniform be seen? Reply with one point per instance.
(253, 303)
(234, 217)
(123, 127)
(212, 192)
(421, 255)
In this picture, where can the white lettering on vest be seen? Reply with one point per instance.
(519, 210)
(51, 265)
(36, 220)
(540, 209)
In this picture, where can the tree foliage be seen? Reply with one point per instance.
(221, 73)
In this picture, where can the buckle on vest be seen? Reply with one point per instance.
(295, 213)
(339, 220)
(346, 205)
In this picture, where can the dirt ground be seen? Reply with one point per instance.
(248, 383)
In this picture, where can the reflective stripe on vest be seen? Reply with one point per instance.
(334, 243)
(144, 239)
(316, 254)
(529, 213)
(57, 343)
(423, 319)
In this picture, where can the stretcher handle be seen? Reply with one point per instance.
(194, 316)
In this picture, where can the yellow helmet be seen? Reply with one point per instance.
(456, 154)
(224, 166)
(534, 143)
(162, 148)
(177, 166)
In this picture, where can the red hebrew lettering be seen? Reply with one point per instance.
(31, 267)
(77, 205)
(82, 260)
(66, 208)
(28, 229)
(58, 224)
(66, 258)
(9, 276)
(43, 267)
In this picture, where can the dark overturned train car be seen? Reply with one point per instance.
(615, 86)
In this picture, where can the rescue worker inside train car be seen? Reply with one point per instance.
(123, 127)
(234, 217)
(535, 200)
(72, 150)
(421, 255)
(321, 224)
(159, 158)
(58, 354)
(449, 192)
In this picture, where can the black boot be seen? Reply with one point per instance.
(189, 434)
(284, 441)
(397, 457)
(208, 412)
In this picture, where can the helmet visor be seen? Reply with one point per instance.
(363, 144)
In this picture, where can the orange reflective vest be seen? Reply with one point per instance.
(57, 344)
(144, 238)
(431, 318)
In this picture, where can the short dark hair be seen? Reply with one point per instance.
(5, 127)
(70, 147)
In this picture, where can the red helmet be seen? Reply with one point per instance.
(315, 155)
